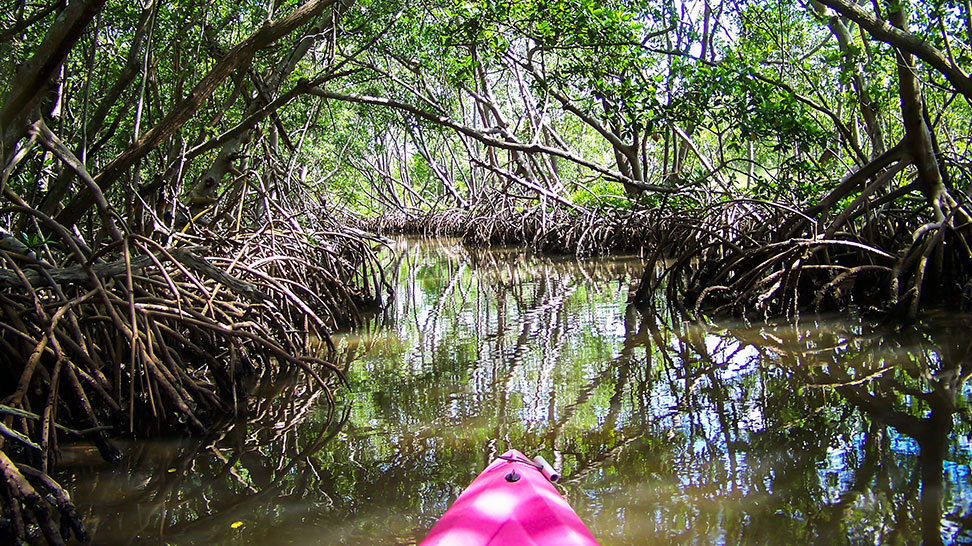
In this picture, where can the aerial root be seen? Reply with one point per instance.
(556, 231)
(147, 338)
(35, 507)
(936, 267)
(731, 259)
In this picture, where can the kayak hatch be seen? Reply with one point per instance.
(513, 503)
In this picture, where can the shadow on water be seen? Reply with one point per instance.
(666, 430)
(233, 484)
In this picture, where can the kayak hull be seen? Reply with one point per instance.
(494, 510)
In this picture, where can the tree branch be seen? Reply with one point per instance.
(182, 112)
(884, 31)
(484, 138)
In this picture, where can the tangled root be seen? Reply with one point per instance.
(558, 231)
(138, 338)
(744, 256)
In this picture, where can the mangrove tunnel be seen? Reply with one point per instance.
(295, 271)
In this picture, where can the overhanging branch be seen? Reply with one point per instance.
(484, 137)
(884, 31)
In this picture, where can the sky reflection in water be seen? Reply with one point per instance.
(667, 431)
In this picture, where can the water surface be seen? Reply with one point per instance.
(831, 430)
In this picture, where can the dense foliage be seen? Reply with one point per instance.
(168, 167)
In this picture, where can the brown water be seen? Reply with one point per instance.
(667, 431)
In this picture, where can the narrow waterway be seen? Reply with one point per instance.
(667, 431)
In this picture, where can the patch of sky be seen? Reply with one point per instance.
(836, 472)
(902, 444)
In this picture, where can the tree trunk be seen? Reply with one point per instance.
(852, 68)
(917, 138)
(203, 192)
(34, 76)
(187, 107)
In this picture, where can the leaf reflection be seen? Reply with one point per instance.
(666, 430)
(206, 491)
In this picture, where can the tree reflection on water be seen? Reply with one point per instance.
(908, 386)
(667, 430)
(211, 490)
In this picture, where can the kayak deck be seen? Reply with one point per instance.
(521, 510)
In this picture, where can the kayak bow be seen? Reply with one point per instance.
(510, 503)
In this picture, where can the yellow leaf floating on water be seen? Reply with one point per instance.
(171, 470)
(236, 524)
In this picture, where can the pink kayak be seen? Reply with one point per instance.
(511, 503)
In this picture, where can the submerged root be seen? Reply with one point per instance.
(32, 506)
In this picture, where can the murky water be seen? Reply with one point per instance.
(667, 431)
